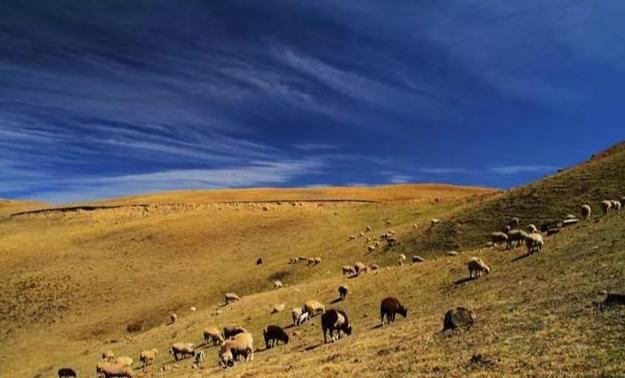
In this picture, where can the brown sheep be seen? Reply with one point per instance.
(313, 307)
(477, 267)
(389, 307)
(241, 345)
(212, 336)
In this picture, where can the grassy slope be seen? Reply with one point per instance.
(548, 200)
(73, 280)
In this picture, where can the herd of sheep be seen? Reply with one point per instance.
(237, 343)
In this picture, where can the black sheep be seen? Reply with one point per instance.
(343, 292)
(335, 320)
(273, 335)
(390, 307)
(66, 373)
(259, 261)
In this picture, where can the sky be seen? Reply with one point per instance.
(108, 98)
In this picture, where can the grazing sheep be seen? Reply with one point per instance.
(606, 206)
(241, 345)
(277, 284)
(515, 236)
(147, 356)
(477, 267)
(108, 355)
(586, 211)
(123, 361)
(181, 350)
(415, 226)
(351, 237)
(335, 320)
(532, 229)
(310, 261)
(173, 318)
(534, 243)
(616, 205)
(231, 331)
(388, 222)
(293, 260)
(460, 317)
(259, 261)
(273, 334)
(515, 222)
(343, 289)
(302, 318)
(200, 357)
(434, 222)
(313, 307)
(66, 373)
(231, 298)
(368, 228)
(373, 267)
(110, 370)
(361, 234)
(348, 270)
(402, 259)
(569, 222)
(371, 248)
(193, 309)
(212, 336)
(498, 237)
(359, 267)
(317, 260)
(295, 313)
(389, 307)
(277, 308)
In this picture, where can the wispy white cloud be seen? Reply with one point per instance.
(400, 179)
(518, 169)
(441, 171)
(308, 147)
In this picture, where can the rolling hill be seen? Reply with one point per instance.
(76, 277)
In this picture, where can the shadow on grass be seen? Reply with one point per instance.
(337, 300)
(313, 347)
(521, 257)
(464, 280)
(377, 326)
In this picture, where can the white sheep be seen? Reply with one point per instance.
(532, 229)
(296, 313)
(123, 361)
(231, 297)
(278, 284)
(348, 270)
(108, 355)
(173, 318)
(586, 211)
(371, 248)
(212, 335)
(606, 206)
(498, 237)
(359, 267)
(477, 267)
(402, 259)
(179, 350)
(200, 357)
(616, 205)
(313, 307)
(317, 260)
(434, 222)
(373, 267)
(240, 345)
(109, 370)
(302, 318)
(147, 356)
(534, 243)
(277, 308)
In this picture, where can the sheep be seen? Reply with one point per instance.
(277, 308)
(515, 222)
(586, 211)
(123, 361)
(515, 236)
(343, 290)
(389, 307)
(434, 222)
(616, 205)
(368, 239)
(317, 260)
(313, 307)
(231, 331)
(359, 267)
(351, 237)
(295, 313)
(66, 373)
(230, 298)
(371, 248)
(147, 356)
(361, 234)
(173, 318)
(532, 229)
(569, 222)
(348, 270)
(108, 355)
(373, 267)
(109, 370)
(335, 320)
(200, 357)
(241, 345)
(273, 334)
(259, 261)
(212, 336)
(368, 228)
(278, 284)
(302, 318)
(534, 243)
(417, 259)
(415, 226)
(606, 206)
(553, 231)
(402, 259)
(293, 260)
(180, 350)
(310, 261)
(477, 267)
(498, 237)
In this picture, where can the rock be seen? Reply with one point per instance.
(459, 317)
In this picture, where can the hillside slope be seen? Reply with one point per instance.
(545, 201)
(75, 277)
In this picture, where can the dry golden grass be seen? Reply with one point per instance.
(73, 280)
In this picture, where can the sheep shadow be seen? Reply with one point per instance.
(337, 300)
(464, 280)
(377, 326)
(289, 326)
(313, 347)
(521, 257)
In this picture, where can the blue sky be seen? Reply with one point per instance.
(108, 98)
